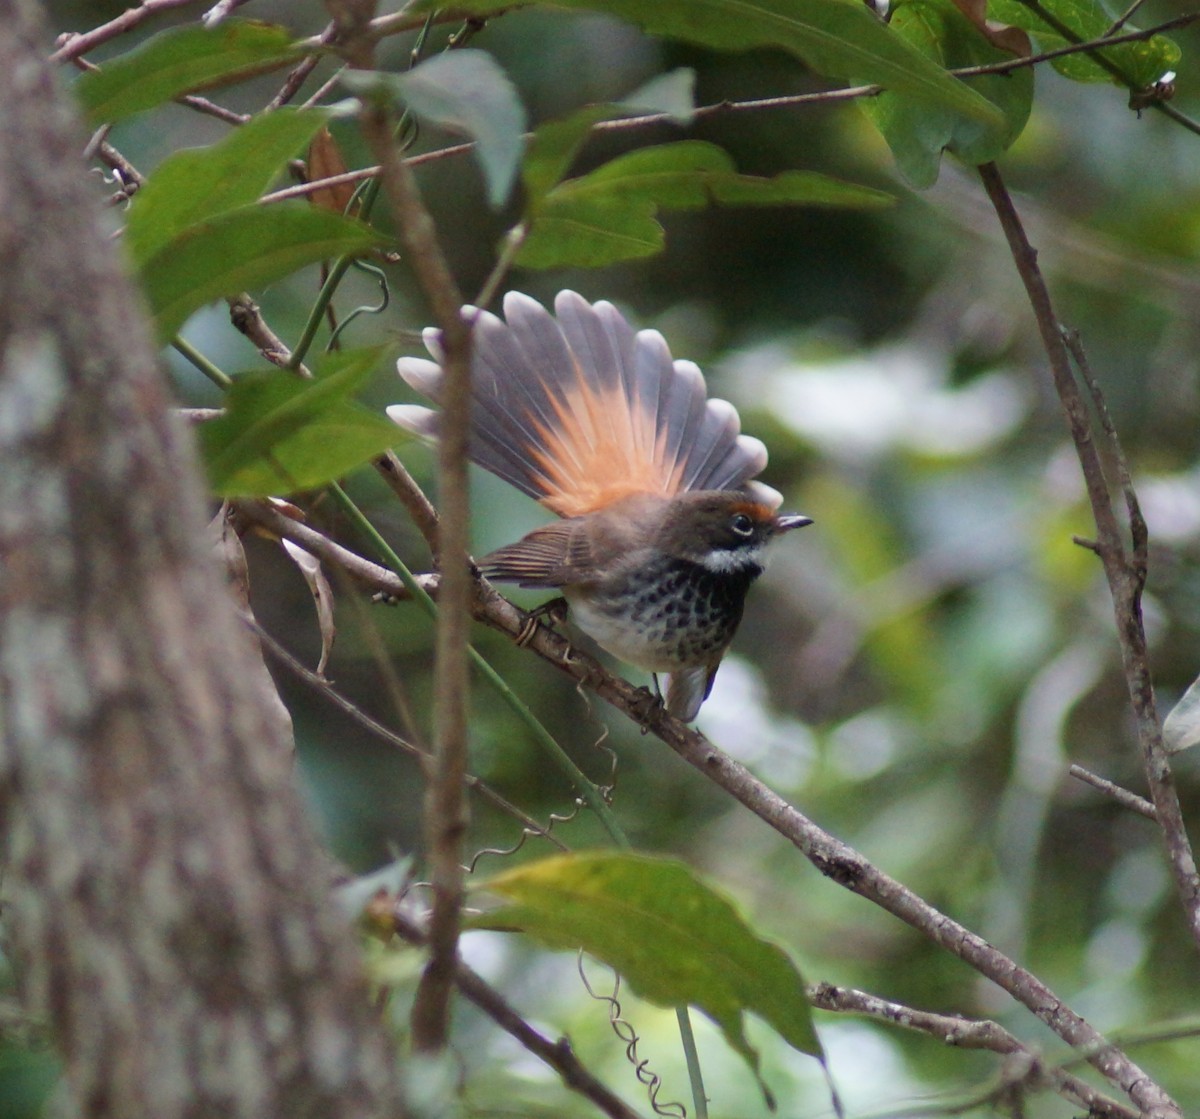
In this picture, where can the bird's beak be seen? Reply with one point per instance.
(789, 521)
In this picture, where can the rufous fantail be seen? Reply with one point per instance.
(664, 529)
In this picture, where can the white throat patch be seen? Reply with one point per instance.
(725, 561)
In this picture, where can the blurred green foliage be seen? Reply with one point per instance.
(915, 672)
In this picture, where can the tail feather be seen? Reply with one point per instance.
(577, 410)
(741, 462)
(682, 412)
(602, 344)
(718, 434)
(508, 403)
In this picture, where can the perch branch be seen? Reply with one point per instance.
(828, 854)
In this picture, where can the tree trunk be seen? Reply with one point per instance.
(164, 894)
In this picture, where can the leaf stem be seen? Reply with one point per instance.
(692, 1056)
(218, 377)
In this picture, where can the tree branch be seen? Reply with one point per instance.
(72, 46)
(419, 508)
(832, 857)
(165, 894)
(1125, 578)
(1123, 797)
(557, 1054)
(967, 1033)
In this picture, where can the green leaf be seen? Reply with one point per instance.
(465, 91)
(674, 939)
(1142, 64)
(610, 214)
(918, 133)
(244, 248)
(549, 154)
(193, 185)
(838, 38)
(554, 146)
(282, 433)
(182, 60)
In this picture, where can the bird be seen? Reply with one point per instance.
(664, 526)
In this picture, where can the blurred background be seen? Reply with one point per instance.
(917, 670)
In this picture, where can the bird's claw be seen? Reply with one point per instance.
(645, 705)
(551, 614)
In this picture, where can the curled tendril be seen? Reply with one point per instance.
(606, 791)
(367, 309)
(625, 1031)
(526, 834)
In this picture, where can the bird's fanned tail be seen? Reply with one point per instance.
(580, 410)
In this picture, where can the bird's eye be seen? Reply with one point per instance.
(742, 524)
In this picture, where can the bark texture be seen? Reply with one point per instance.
(164, 895)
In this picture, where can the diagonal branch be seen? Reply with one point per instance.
(557, 1054)
(1125, 576)
(72, 46)
(832, 857)
(322, 686)
(968, 1033)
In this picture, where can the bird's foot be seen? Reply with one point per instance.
(646, 706)
(552, 613)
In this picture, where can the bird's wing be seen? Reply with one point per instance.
(555, 555)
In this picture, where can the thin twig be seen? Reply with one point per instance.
(244, 313)
(445, 806)
(220, 11)
(419, 508)
(130, 175)
(298, 76)
(397, 23)
(322, 686)
(1094, 53)
(828, 854)
(789, 101)
(1123, 18)
(1138, 532)
(294, 81)
(557, 1054)
(1125, 577)
(246, 316)
(504, 262)
(299, 190)
(966, 1033)
(212, 109)
(1076, 45)
(72, 46)
(1124, 797)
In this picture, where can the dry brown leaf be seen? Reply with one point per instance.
(324, 161)
(314, 575)
(227, 545)
(1002, 35)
